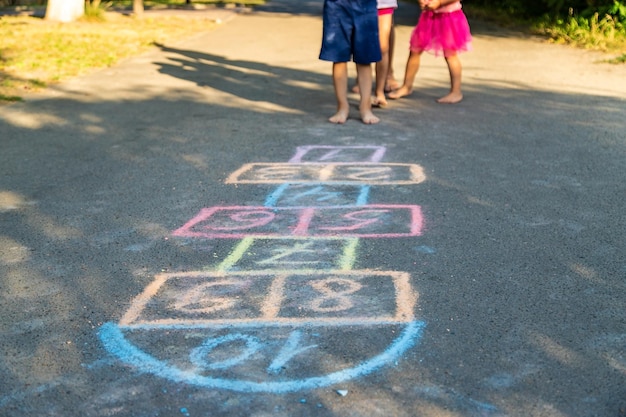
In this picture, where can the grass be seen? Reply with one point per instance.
(598, 33)
(35, 53)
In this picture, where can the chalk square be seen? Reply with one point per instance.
(276, 173)
(290, 253)
(325, 153)
(238, 222)
(379, 174)
(315, 195)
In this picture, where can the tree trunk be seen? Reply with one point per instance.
(65, 10)
(138, 7)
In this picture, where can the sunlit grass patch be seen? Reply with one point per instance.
(35, 52)
(603, 33)
(606, 33)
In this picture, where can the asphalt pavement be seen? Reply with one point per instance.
(184, 234)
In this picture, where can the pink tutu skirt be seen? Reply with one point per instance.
(441, 33)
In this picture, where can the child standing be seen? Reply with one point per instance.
(385, 80)
(442, 29)
(384, 68)
(350, 31)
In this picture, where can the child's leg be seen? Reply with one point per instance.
(340, 83)
(454, 66)
(355, 87)
(412, 67)
(382, 66)
(364, 77)
(391, 83)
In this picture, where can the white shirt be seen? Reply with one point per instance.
(386, 4)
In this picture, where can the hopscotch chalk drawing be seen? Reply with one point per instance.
(285, 310)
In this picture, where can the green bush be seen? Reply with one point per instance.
(557, 8)
(617, 10)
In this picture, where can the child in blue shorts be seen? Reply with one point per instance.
(350, 31)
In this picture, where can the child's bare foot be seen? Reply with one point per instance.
(380, 101)
(451, 98)
(391, 85)
(355, 89)
(400, 92)
(368, 117)
(340, 117)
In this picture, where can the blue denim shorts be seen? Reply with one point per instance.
(350, 31)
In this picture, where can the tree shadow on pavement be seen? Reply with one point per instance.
(249, 80)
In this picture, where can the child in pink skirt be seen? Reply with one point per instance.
(443, 30)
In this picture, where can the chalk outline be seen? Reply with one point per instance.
(281, 190)
(416, 171)
(414, 228)
(114, 341)
(345, 262)
(377, 155)
(405, 298)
